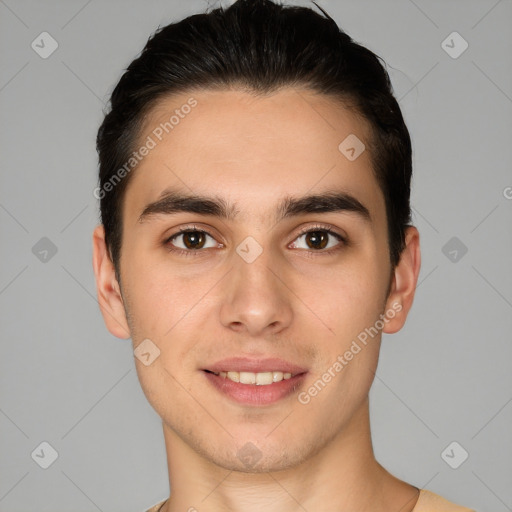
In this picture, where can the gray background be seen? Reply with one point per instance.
(65, 380)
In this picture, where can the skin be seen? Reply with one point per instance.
(199, 309)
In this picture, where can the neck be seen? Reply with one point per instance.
(343, 476)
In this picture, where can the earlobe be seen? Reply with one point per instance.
(404, 283)
(107, 287)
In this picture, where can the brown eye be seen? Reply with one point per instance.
(191, 240)
(320, 240)
(317, 239)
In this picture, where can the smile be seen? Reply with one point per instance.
(255, 389)
(260, 378)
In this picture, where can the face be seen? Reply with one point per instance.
(271, 288)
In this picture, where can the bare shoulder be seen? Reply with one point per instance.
(430, 502)
(156, 508)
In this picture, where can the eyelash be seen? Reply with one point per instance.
(318, 227)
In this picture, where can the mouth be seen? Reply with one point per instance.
(259, 379)
(255, 382)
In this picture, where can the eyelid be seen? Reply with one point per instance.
(304, 230)
(187, 228)
(332, 231)
(321, 227)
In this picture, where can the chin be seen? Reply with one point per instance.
(272, 462)
(260, 456)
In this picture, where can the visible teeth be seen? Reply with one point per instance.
(260, 379)
(277, 376)
(247, 378)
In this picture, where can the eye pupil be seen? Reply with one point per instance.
(195, 237)
(319, 239)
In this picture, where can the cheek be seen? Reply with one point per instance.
(167, 305)
(347, 301)
(153, 297)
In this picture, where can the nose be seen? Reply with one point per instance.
(256, 297)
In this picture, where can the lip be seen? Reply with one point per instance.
(252, 394)
(246, 364)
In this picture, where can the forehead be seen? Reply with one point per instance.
(252, 150)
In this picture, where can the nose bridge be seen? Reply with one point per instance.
(255, 296)
(253, 262)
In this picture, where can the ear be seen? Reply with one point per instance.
(403, 283)
(107, 287)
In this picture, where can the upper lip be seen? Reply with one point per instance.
(246, 364)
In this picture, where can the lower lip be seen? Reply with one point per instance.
(251, 394)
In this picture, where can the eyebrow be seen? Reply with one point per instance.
(172, 201)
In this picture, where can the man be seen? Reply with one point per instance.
(255, 243)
